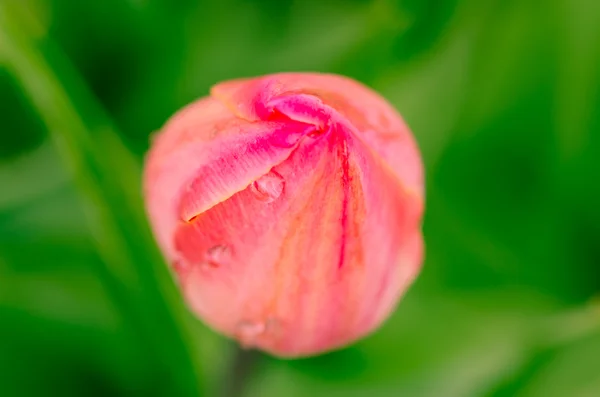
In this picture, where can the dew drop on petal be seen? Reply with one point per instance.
(248, 331)
(268, 187)
(288, 139)
(217, 255)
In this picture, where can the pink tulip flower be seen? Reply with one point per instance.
(289, 207)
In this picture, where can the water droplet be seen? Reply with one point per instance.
(248, 331)
(268, 187)
(287, 139)
(217, 255)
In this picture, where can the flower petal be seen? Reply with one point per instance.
(205, 156)
(299, 264)
(377, 122)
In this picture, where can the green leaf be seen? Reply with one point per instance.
(107, 176)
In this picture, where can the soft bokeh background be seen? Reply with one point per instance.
(503, 97)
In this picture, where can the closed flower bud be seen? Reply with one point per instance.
(289, 207)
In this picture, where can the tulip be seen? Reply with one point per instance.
(289, 207)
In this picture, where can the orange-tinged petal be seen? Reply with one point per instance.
(290, 206)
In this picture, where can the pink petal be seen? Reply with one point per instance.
(299, 264)
(290, 207)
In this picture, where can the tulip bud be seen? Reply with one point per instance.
(289, 207)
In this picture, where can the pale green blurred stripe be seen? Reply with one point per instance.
(138, 280)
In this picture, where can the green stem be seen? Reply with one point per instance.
(240, 369)
(105, 173)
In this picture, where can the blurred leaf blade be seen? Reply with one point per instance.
(131, 273)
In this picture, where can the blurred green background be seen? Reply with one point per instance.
(502, 95)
